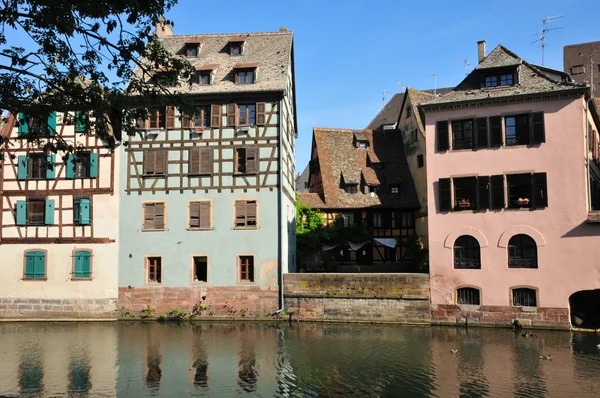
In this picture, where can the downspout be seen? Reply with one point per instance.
(587, 152)
(279, 211)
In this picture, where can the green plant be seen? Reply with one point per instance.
(199, 308)
(417, 253)
(125, 313)
(211, 313)
(147, 312)
(163, 318)
(244, 312)
(177, 315)
(281, 315)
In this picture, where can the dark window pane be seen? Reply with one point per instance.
(524, 297)
(467, 253)
(468, 295)
(465, 193)
(522, 252)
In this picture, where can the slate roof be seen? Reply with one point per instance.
(272, 51)
(531, 80)
(418, 97)
(339, 157)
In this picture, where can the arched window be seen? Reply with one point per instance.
(468, 295)
(466, 252)
(524, 297)
(522, 252)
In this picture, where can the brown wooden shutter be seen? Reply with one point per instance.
(186, 121)
(261, 108)
(537, 122)
(204, 215)
(231, 115)
(194, 214)
(445, 199)
(251, 161)
(482, 132)
(160, 162)
(539, 186)
(205, 166)
(495, 131)
(170, 117)
(497, 185)
(251, 213)
(148, 216)
(194, 161)
(240, 213)
(215, 115)
(159, 216)
(442, 139)
(483, 185)
(149, 157)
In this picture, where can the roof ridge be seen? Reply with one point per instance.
(339, 129)
(579, 44)
(226, 34)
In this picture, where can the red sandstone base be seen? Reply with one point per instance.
(224, 301)
(485, 315)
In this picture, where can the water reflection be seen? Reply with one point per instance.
(265, 360)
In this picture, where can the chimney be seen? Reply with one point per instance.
(163, 28)
(481, 50)
(283, 29)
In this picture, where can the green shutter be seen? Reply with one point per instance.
(82, 211)
(82, 264)
(80, 119)
(49, 214)
(40, 265)
(52, 124)
(51, 166)
(70, 166)
(22, 173)
(23, 126)
(93, 165)
(35, 265)
(21, 212)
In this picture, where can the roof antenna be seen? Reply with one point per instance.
(591, 80)
(383, 97)
(545, 29)
(466, 64)
(402, 86)
(434, 83)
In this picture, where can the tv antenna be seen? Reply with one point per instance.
(434, 83)
(402, 86)
(544, 32)
(466, 64)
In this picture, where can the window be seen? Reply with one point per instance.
(351, 188)
(82, 264)
(413, 136)
(200, 215)
(235, 48)
(81, 163)
(35, 212)
(377, 220)
(420, 161)
(203, 77)
(35, 265)
(468, 295)
(406, 219)
(200, 161)
(191, 50)
(522, 252)
(245, 160)
(200, 119)
(154, 216)
(577, 69)
(524, 297)
(80, 121)
(247, 115)
(465, 193)
(200, 268)
(408, 111)
(37, 166)
(462, 134)
(155, 162)
(39, 127)
(467, 253)
(517, 130)
(156, 118)
(246, 214)
(246, 268)
(395, 189)
(82, 211)
(244, 76)
(347, 219)
(154, 267)
(527, 190)
(506, 79)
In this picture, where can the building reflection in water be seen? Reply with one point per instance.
(80, 382)
(31, 370)
(153, 372)
(247, 374)
(199, 367)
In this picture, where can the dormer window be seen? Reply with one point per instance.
(245, 73)
(360, 144)
(351, 188)
(236, 45)
(203, 77)
(205, 74)
(505, 79)
(395, 189)
(191, 50)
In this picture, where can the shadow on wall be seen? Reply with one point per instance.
(582, 230)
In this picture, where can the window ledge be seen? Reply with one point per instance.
(245, 228)
(149, 284)
(35, 279)
(527, 308)
(154, 230)
(81, 279)
(593, 217)
(154, 176)
(244, 174)
(200, 175)
(199, 283)
(199, 229)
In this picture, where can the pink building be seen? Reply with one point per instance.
(513, 185)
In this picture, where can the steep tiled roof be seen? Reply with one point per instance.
(339, 157)
(311, 199)
(418, 97)
(531, 80)
(389, 113)
(271, 51)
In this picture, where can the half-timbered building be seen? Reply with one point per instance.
(208, 198)
(59, 213)
(360, 177)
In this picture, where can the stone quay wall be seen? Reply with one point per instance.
(227, 301)
(56, 309)
(399, 298)
(499, 316)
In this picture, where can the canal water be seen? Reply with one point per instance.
(128, 359)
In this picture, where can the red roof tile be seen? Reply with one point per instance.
(208, 67)
(248, 65)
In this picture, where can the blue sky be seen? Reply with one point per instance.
(348, 52)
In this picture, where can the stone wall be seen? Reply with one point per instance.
(224, 301)
(402, 298)
(486, 315)
(23, 308)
